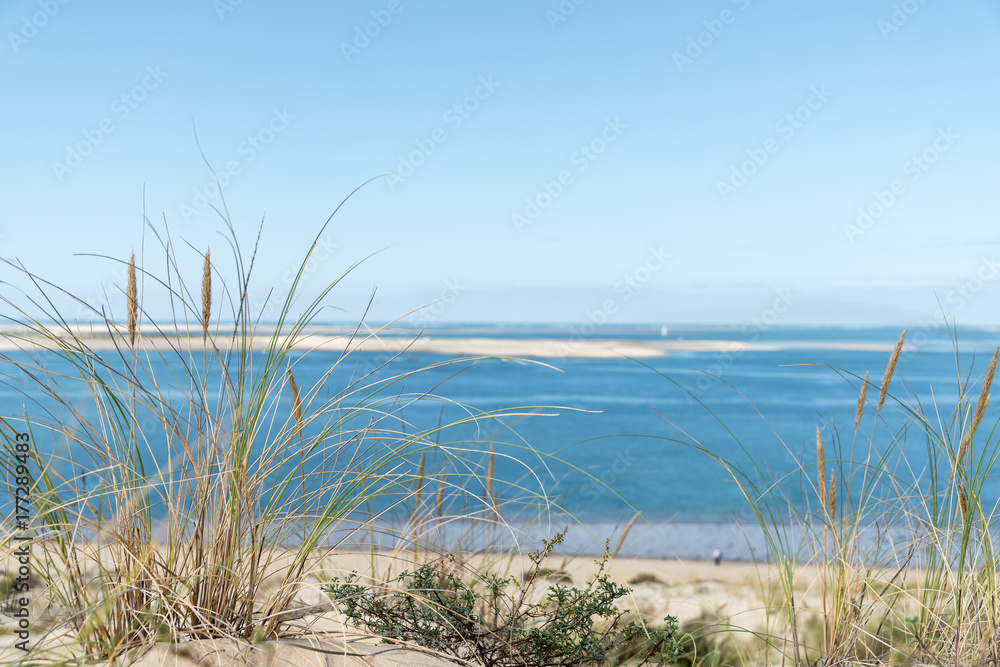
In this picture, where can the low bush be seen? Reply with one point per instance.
(494, 622)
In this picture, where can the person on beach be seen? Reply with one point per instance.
(717, 556)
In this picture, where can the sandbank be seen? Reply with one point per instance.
(571, 346)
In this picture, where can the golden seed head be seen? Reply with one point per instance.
(296, 399)
(820, 467)
(890, 367)
(206, 295)
(981, 404)
(832, 496)
(963, 448)
(984, 392)
(861, 402)
(132, 295)
(963, 502)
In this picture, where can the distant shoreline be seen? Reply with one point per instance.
(572, 347)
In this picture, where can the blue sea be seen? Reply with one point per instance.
(605, 439)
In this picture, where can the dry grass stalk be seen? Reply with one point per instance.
(861, 402)
(977, 417)
(206, 295)
(420, 482)
(963, 502)
(820, 467)
(890, 367)
(489, 476)
(831, 502)
(132, 294)
(440, 498)
(621, 540)
(296, 401)
(297, 411)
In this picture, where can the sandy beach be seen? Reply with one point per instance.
(739, 594)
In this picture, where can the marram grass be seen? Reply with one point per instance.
(185, 488)
(890, 368)
(206, 296)
(899, 545)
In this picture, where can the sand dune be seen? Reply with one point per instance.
(692, 591)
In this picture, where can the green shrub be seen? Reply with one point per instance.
(493, 623)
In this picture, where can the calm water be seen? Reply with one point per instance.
(619, 439)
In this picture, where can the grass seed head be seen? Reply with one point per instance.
(981, 404)
(206, 295)
(963, 502)
(132, 294)
(861, 402)
(832, 495)
(963, 448)
(820, 467)
(984, 392)
(296, 399)
(890, 367)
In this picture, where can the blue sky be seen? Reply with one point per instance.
(635, 161)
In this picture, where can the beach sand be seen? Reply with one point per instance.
(692, 591)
